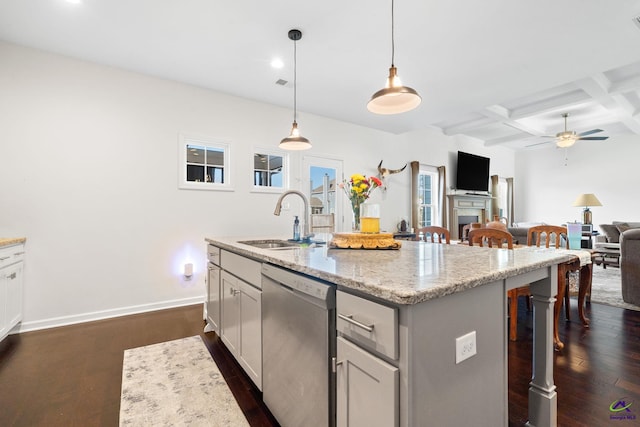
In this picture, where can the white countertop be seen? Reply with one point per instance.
(417, 272)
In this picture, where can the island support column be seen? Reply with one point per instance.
(543, 401)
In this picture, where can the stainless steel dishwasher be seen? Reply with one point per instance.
(298, 344)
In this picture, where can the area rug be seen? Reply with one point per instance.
(176, 383)
(606, 288)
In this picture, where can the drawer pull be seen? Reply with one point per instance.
(3, 258)
(19, 253)
(11, 276)
(349, 318)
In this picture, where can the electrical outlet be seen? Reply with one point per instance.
(465, 346)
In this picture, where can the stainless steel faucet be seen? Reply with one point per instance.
(305, 232)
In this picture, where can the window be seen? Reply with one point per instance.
(204, 164)
(502, 198)
(428, 196)
(269, 171)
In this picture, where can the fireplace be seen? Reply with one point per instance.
(465, 209)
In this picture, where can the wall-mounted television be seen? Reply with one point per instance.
(472, 172)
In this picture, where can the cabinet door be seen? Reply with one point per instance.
(230, 319)
(213, 298)
(14, 283)
(251, 332)
(4, 324)
(367, 389)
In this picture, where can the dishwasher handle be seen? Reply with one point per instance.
(349, 318)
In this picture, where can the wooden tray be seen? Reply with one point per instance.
(364, 241)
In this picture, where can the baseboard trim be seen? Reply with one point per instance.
(105, 314)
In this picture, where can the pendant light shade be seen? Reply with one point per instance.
(394, 98)
(295, 141)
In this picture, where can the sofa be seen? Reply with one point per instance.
(626, 237)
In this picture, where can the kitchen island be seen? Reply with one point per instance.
(448, 345)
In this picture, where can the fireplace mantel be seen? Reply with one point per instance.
(467, 205)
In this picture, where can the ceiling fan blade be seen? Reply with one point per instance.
(593, 138)
(590, 132)
(539, 143)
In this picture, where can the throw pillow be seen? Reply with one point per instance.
(623, 227)
(611, 232)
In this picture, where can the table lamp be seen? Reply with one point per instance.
(587, 200)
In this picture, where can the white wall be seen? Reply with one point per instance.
(89, 176)
(546, 188)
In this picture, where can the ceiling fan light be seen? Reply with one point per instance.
(566, 139)
(394, 98)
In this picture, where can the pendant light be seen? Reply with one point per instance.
(394, 98)
(295, 141)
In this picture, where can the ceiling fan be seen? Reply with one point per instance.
(567, 138)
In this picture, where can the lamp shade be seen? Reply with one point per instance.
(587, 200)
(394, 98)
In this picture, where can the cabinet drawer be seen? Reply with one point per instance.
(372, 325)
(11, 254)
(242, 267)
(213, 254)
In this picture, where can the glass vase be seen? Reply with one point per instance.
(355, 225)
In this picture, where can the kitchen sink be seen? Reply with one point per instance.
(270, 244)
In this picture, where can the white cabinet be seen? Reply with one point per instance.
(240, 324)
(367, 386)
(367, 389)
(11, 287)
(250, 351)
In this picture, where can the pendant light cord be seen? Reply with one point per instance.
(295, 81)
(393, 42)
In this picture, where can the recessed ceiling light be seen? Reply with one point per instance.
(277, 63)
(74, 1)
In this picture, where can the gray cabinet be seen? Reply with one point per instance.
(234, 309)
(367, 388)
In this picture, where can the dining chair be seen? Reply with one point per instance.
(491, 236)
(429, 234)
(322, 223)
(467, 228)
(556, 237)
(496, 236)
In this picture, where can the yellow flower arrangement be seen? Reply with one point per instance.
(358, 189)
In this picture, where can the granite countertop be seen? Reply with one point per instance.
(8, 241)
(417, 272)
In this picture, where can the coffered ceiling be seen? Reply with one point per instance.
(500, 71)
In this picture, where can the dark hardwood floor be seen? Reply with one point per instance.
(71, 376)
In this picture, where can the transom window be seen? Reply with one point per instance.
(204, 164)
(269, 170)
